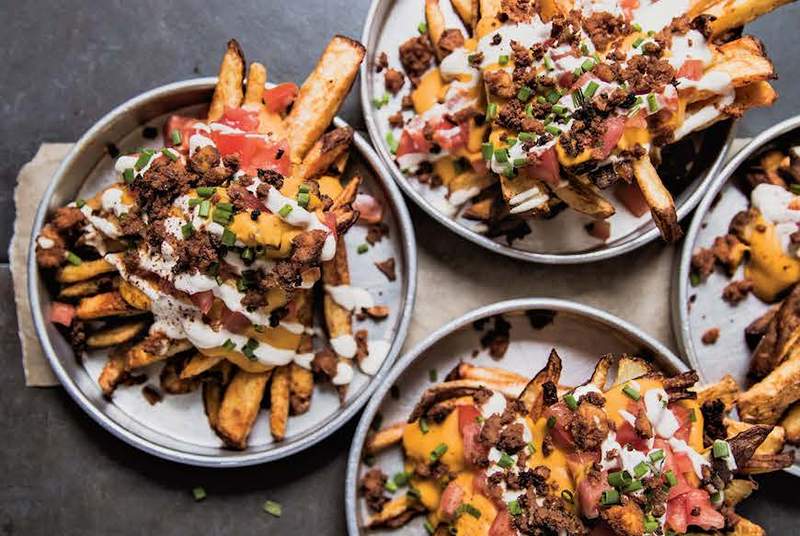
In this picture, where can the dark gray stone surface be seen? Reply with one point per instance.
(64, 64)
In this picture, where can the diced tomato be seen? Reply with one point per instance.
(566, 79)
(279, 98)
(600, 229)
(628, 7)
(677, 463)
(637, 121)
(676, 514)
(615, 126)
(451, 136)
(546, 168)
(626, 435)
(412, 140)
(589, 491)
(474, 450)
(184, 126)
(330, 222)
(560, 432)
(452, 497)
(62, 313)
(203, 300)
(691, 69)
(239, 118)
(405, 145)
(681, 510)
(631, 196)
(502, 526)
(254, 152)
(234, 321)
(369, 209)
(685, 424)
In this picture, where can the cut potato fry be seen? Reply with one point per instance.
(467, 11)
(730, 14)
(630, 367)
(766, 401)
(658, 199)
(279, 402)
(532, 395)
(791, 423)
(198, 364)
(89, 288)
(488, 21)
(154, 347)
(228, 91)
(114, 371)
(434, 19)
(782, 334)
(212, 401)
(771, 445)
(114, 335)
(325, 153)
(384, 438)
(85, 270)
(738, 490)
(133, 296)
(467, 371)
(323, 93)
(582, 196)
(240, 406)
(171, 381)
(254, 91)
(104, 305)
(726, 390)
(601, 369)
(745, 527)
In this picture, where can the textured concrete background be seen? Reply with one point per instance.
(62, 66)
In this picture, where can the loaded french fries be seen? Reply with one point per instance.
(208, 254)
(527, 107)
(628, 454)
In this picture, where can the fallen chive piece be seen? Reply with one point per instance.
(617, 479)
(609, 497)
(501, 155)
(514, 508)
(524, 93)
(636, 26)
(428, 527)
(551, 421)
(554, 130)
(187, 230)
(241, 285)
(652, 102)
(128, 175)
(631, 392)
(228, 238)
(571, 402)
(509, 172)
(422, 27)
(529, 107)
(692, 415)
(228, 344)
(175, 135)
(527, 136)
(199, 493)
(577, 72)
(206, 191)
(142, 161)
(433, 375)
(383, 101)
(721, 449)
(584, 49)
(511, 141)
(169, 154)
(303, 189)
(587, 65)
(248, 254)
(73, 259)
(438, 452)
(505, 461)
(423, 425)
(694, 279)
(390, 485)
(491, 111)
(362, 248)
(194, 201)
(392, 142)
(248, 348)
(590, 90)
(656, 456)
(285, 210)
(670, 477)
(222, 217)
(795, 189)
(225, 206)
(303, 199)
(560, 110)
(487, 150)
(568, 496)
(471, 510)
(638, 42)
(273, 508)
(531, 448)
(401, 478)
(205, 209)
(503, 59)
(640, 470)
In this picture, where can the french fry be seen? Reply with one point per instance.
(726, 390)
(114, 371)
(467, 371)
(745, 527)
(323, 93)
(791, 423)
(212, 401)
(338, 320)
(104, 305)
(581, 195)
(730, 14)
(771, 445)
(198, 364)
(523, 191)
(434, 19)
(133, 296)
(738, 490)
(467, 11)
(766, 401)
(601, 369)
(658, 199)
(228, 91)
(254, 91)
(85, 270)
(279, 402)
(532, 395)
(155, 347)
(240, 406)
(630, 367)
(114, 335)
(301, 380)
(171, 381)
(781, 335)
(488, 21)
(384, 438)
(325, 152)
(89, 287)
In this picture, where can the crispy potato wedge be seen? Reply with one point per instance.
(630, 367)
(745, 527)
(488, 21)
(301, 389)
(782, 333)
(434, 19)
(601, 370)
(766, 401)
(228, 91)
(467, 11)
(767, 463)
(240, 406)
(115, 335)
(738, 490)
(89, 287)
(726, 390)
(525, 195)
(133, 296)
(325, 153)
(658, 198)
(171, 381)
(771, 445)
(114, 371)
(791, 423)
(323, 93)
(212, 401)
(398, 511)
(104, 305)
(254, 91)
(384, 438)
(198, 364)
(279, 402)
(532, 395)
(154, 347)
(731, 14)
(85, 270)
(581, 195)
(755, 95)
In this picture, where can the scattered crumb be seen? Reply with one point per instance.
(710, 336)
(152, 395)
(376, 232)
(498, 338)
(382, 62)
(540, 318)
(377, 312)
(736, 291)
(387, 268)
(362, 349)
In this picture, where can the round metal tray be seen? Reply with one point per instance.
(176, 428)
(560, 240)
(580, 334)
(692, 316)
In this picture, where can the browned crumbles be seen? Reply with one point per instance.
(381, 62)
(372, 489)
(393, 80)
(710, 336)
(324, 363)
(376, 232)
(396, 120)
(387, 267)
(499, 83)
(604, 28)
(416, 55)
(737, 291)
(451, 39)
(517, 10)
(702, 262)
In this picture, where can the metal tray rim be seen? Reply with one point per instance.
(567, 306)
(680, 292)
(409, 248)
(368, 37)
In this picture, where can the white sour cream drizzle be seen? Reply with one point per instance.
(377, 352)
(664, 422)
(530, 34)
(344, 345)
(774, 203)
(655, 15)
(350, 297)
(344, 373)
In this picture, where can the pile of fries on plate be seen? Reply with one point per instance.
(205, 254)
(528, 107)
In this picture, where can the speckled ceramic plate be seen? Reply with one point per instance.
(176, 428)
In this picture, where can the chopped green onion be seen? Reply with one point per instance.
(587, 65)
(650, 524)
(634, 485)
(524, 93)
(717, 497)
(670, 477)
(205, 209)
(402, 478)
(362, 248)
(80, 203)
(553, 96)
(273, 508)
(551, 421)
(228, 238)
(568, 496)
(491, 111)
(577, 72)
(221, 216)
(194, 201)
(199, 493)
(794, 188)
(128, 175)
(503, 59)
(509, 172)
(468, 508)
(721, 449)
(577, 98)
(619, 479)
(303, 199)
(428, 527)
(548, 63)
(438, 452)
(433, 375)
(187, 230)
(590, 90)
(248, 254)
(241, 285)
(526, 136)
(636, 26)
(520, 162)
(73, 259)
(531, 448)
(694, 279)
(423, 425)
(584, 49)
(631, 392)
(175, 135)
(422, 27)
(560, 110)
(487, 150)
(142, 161)
(640, 470)
(169, 154)
(228, 344)
(638, 42)
(609, 497)
(514, 508)
(656, 456)
(392, 142)
(206, 191)
(571, 402)
(381, 102)
(692, 415)
(225, 206)
(501, 155)
(505, 461)
(390, 486)
(529, 107)
(248, 348)
(652, 102)
(303, 189)
(285, 210)
(511, 141)
(414, 494)
(554, 130)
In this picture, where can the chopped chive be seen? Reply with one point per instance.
(503, 59)
(487, 150)
(717, 497)
(721, 449)
(694, 279)
(422, 27)
(590, 90)
(640, 470)
(520, 162)
(205, 209)
(511, 141)
(175, 136)
(169, 154)
(529, 107)
(390, 486)
(571, 402)
(531, 448)
(241, 285)
(587, 65)
(187, 230)
(206, 191)
(73, 259)
(509, 172)
(609, 497)
(402, 478)
(362, 248)
(273, 508)
(526, 136)
(584, 49)
(222, 217)
(652, 102)
(80, 203)
(524, 93)
(650, 524)
(568, 496)
(577, 72)
(428, 527)
(303, 199)
(554, 130)
(228, 238)
(638, 42)
(656, 456)
(248, 254)
(548, 63)
(553, 96)
(392, 142)
(381, 102)
(635, 110)
(560, 110)
(514, 508)
(127, 175)
(618, 478)
(142, 161)
(636, 26)
(505, 461)
(248, 349)
(501, 155)
(794, 188)
(413, 494)
(491, 111)
(651, 33)
(285, 210)
(471, 510)
(194, 201)
(433, 375)
(631, 392)
(199, 493)
(225, 206)
(303, 189)
(423, 425)
(438, 452)
(670, 477)
(633, 485)
(692, 415)
(228, 344)
(551, 421)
